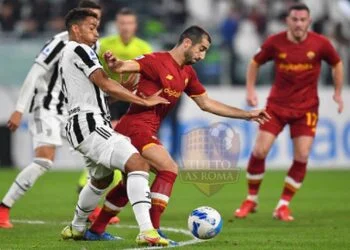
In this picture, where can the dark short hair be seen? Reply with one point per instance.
(195, 34)
(88, 4)
(126, 11)
(298, 6)
(77, 15)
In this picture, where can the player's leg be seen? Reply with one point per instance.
(255, 172)
(256, 165)
(295, 176)
(116, 200)
(138, 191)
(42, 162)
(45, 129)
(161, 189)
(162, 186)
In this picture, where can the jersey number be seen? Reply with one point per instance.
(311, 119)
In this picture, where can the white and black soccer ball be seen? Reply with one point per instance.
(204, 223)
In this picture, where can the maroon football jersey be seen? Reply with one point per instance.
(160, 71)
(297, 68)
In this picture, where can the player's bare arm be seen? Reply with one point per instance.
(338, 77)
(252, 73)
(119, 66)
(212, 106)
(115, 90)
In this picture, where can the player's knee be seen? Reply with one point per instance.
(301, 156)
(136, 163)
(102, 183)
(260, 152)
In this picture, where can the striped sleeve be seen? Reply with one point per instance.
(50, 53)
(86, 59)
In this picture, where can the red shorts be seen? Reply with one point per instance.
(300, 122)
(141, 137)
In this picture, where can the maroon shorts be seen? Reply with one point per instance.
(141, 137)
(300, 122)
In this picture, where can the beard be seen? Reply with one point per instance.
(189, 58)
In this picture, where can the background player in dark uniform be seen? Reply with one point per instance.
(293, 100)
(172, 73)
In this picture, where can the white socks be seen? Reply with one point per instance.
(140, 198)
(88, 201)
(282, 203)
(252, 198)
(26, 179)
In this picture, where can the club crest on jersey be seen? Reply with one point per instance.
(169, 77)
(282, 55)
(310, 54)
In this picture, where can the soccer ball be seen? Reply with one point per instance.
(204, 223)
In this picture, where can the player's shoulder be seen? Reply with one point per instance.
(62, 36)
(318, 37)
(74, 48)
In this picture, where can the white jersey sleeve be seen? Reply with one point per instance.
(50, 53)
(28, 87)
(86, 59)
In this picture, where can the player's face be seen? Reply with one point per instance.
(196, 52)
(87, 31)
(126, 25)
(298, 23)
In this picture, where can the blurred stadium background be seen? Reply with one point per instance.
(238, 28)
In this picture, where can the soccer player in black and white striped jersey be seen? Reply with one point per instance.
(42, 88)
(85, 85)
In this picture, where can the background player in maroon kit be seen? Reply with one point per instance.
(293, 100)
(172, 72)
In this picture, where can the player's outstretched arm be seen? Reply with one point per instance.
(25, 95)
(119, 66)
(115, 90)
(251, 76)
(221, 109)
(338, 77)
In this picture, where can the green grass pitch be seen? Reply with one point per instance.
(321, 209)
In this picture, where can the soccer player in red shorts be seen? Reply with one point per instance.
(293, 100)
(172, 73)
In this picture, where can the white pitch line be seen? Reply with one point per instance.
(167, 229)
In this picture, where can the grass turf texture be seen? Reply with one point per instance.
(321, 209)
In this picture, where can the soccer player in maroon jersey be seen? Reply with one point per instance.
(297, 54)
(172, 72)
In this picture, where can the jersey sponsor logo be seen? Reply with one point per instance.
(74, 110)
(295, 67)
(172, 92)
(310, 55)
(282, 55)
(169, 77)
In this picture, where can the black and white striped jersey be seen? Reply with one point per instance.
(48, 90)
(78, 61)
